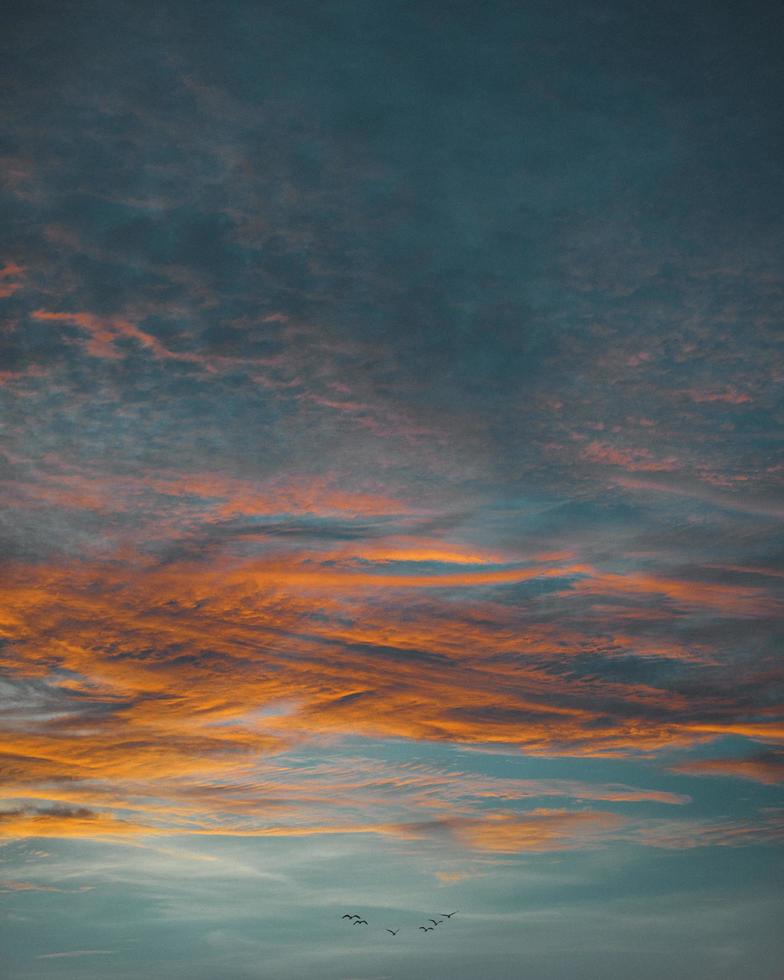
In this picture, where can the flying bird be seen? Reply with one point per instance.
(347, 916)
(361, 922)
(426, 928)
(393, 931)
(435, 923)
(448, 915)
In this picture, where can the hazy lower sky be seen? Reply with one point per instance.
(393, 490)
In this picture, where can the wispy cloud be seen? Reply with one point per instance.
(764, 767)
(76, 953)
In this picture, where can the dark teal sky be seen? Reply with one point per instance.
(391, 456)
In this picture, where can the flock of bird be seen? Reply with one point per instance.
(357, 920)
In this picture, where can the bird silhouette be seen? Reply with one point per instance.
(393, 931)
(426, 928)
(448, 915)
(361, 922)
(434, 922)
(347, 916)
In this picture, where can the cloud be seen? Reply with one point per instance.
(11, 279)
(102, 334)
(59, 821)
(730, 396)
(628, 459)
(764, 767)
(68, 954)
(744, 501)
(539, 830)
(452, 877)
(13, 885)
(766, 828)
(168, 678)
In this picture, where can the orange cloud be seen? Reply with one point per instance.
(202, 496)
(730, 396)
(741, 600)
(767, 767)
(11, 276)
(102, 333)
(539, 830)
(457, 678)
(59, 822)
(634, 460)
(176, 686)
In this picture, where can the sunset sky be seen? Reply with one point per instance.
(392, 478)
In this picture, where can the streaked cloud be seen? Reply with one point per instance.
(764, 767)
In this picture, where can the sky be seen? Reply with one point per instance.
(392, 477)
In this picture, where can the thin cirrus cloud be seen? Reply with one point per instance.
(71, 953)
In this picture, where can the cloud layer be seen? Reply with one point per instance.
(392, 451)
